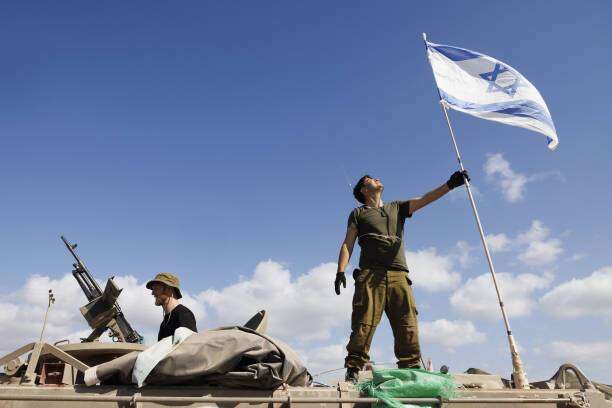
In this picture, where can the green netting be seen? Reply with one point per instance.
(386, 385)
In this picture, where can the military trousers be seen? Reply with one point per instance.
(378, 290)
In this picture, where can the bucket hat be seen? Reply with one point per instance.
(167, 279)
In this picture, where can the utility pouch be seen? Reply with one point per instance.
(384, 246)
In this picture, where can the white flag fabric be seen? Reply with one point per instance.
(484, 87)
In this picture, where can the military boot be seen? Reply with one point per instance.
(352, 375)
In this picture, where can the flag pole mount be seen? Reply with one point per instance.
(520, 378)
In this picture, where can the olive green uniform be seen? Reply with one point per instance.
(382, 284)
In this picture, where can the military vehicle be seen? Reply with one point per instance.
(53, 375)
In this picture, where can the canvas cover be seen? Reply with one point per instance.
(229, 357)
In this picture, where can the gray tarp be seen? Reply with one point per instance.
(230, 357)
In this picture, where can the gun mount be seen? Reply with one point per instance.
(103, 311)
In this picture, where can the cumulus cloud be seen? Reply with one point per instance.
(301, 308)
(138, 304)
(22, 312)
(498, 242)
(325, 358)
(588, 296)
(583, 352)
(537, 232)
(592, 356)
(307, 299)
(477, 298)
(541, 252)
(535, 246)
(450, 333)
(539, 248)
(431, 271)
(326, 362)
(463, 253)
(511, 183)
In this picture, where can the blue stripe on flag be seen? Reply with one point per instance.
(455, 53)
(522, 108)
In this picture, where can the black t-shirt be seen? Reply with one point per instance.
(180, 316)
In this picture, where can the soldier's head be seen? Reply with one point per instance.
(163, 287)
(367, 186)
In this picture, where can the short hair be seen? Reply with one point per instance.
(357, 190)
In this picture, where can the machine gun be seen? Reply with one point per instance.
(102, 312)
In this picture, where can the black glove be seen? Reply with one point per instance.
(340, 279)
(457, 179)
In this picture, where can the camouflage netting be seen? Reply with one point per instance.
(386, 385)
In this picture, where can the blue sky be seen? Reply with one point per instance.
(205, 138)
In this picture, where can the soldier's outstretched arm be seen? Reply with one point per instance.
(456, 179)
(346, 249)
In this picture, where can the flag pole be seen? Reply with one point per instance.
(520, 378)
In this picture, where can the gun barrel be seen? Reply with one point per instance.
(89, 294)
(84, 277)
(118, 325)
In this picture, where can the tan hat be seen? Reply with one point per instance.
(167, 279)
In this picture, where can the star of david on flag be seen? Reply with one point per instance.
(484, 87)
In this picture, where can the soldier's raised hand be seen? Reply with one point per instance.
(457, 179)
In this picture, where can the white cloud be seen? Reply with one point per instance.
(139, 307)
(582, 353)
(535, 246)
(450, 333)
(591, 356)
(463, 253)
(326, 362)
(540, 253)
(498, 242)
(547, 175)
(499, 171)
(325, 358)
(301, 309)
(309, 299)
(537, 232)
(431, 271)
(22, 312)
(512, 183)
(477, 298)
(589, 296)
(540, 247)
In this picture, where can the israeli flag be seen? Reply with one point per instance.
(484, 87)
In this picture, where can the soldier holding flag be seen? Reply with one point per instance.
(381, 282)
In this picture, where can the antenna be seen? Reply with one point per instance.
(51, 302)
(349, 183)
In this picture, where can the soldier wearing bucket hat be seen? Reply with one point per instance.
(165, 288)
